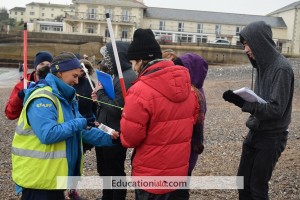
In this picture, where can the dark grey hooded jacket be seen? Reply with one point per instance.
(274, 81)
(109, 115)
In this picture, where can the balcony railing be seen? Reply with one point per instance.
(99, 17)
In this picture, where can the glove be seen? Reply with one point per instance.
(21, 94)
(117, 141)
(198, 148)
(231, 97)
(90, 121)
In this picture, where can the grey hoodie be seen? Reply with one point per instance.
(274, 81)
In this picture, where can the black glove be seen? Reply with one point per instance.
(198, 148)
(116, 141)
(231, 97)
(21, 94)
(90, 121)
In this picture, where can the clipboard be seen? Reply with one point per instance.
(107, 83)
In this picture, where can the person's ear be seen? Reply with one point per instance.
(140, 63)
(58, 74)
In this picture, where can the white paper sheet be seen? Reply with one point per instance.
(249, 95)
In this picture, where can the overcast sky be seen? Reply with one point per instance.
(253, 7)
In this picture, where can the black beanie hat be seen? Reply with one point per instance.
(144, 46)
(41, 57)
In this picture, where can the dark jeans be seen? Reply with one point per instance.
(110, 162)
(260, 154)
(181, 194)
(33, 194)
(143, 195)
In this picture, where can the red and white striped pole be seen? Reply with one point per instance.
(25, 56)
(113, 42)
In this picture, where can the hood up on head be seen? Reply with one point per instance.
(258, 36)
(171, 81)
(197, 67)
(109, 56)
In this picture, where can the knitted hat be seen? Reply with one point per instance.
(41, 57)
(65, 61)
(144, 46)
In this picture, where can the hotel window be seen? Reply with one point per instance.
(201, 39)
(110, 12)
(45, 28)
(31, 13)
(199, 28)
(162, 25)
(125, 16)
(74, 28)
(90, 28)
(183, 38)
(125, 33)
(238, 30)
(22, 13)
(57, 28)
(92, 13)
(218, 30)
(43, 14)
(180, 26)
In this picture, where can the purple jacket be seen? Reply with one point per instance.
(197, 67)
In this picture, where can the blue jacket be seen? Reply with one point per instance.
(43, 121)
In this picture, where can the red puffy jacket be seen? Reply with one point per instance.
(158, 117)
(14, 105)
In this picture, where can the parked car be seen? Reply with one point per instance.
(221, 42)
(164, 39)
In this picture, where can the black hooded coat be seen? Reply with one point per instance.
(109, 115)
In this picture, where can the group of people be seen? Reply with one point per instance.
(162, 117)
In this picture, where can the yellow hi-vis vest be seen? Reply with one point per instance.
(36, 165)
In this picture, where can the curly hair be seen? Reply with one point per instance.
(88, 65)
